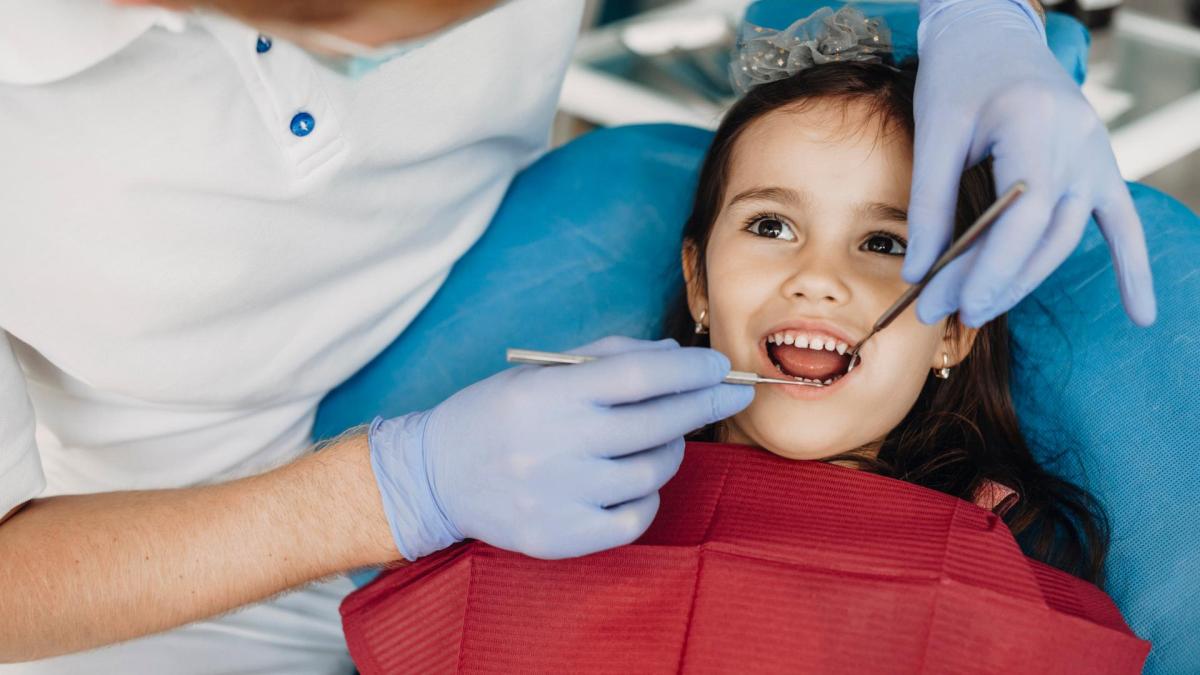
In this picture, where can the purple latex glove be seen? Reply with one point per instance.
(552, 462)
(988, 85)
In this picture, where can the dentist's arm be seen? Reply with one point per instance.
(78, 572)
(12, 512)
(552, 462)
(988, 85)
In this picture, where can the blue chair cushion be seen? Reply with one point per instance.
(1122, 403)
(585, 244)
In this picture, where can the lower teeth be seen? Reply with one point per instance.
(824, 383)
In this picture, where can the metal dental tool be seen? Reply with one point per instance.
(740, 377)
(554, 358)
(973, 233)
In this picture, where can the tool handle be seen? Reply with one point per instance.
(536, 358)
(741, 377)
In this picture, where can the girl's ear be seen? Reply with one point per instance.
(957, 343)
(697, 298)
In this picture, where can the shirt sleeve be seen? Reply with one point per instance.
(21, 477)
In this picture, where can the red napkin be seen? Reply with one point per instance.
(754, 564)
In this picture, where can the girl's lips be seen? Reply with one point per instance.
(800, 391)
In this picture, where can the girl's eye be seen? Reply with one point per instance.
(771, 227)
(886, 244)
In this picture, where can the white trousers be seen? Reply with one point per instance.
(299, 633)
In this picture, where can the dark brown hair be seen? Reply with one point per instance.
(961, 431)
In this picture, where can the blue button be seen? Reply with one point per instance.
(264, 44)
(303, 124)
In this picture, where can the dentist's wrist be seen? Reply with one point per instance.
(1031, 9)
(419, 525)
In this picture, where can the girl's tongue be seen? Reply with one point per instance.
(809, 363)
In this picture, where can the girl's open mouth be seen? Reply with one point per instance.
(809, 357)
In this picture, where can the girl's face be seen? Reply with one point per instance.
(806, 251)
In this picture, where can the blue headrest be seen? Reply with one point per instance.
(586, 244)
(1122, 403)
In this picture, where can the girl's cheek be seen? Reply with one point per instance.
(912, 348)
(884, 280)
(735, 281)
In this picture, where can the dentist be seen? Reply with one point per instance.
(203, 230)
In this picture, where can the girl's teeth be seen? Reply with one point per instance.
(805, 342)
(813, 381)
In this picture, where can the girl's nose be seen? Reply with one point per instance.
(817, 279)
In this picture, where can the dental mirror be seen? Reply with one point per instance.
(536, 358)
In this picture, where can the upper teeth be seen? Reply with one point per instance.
(816, 341)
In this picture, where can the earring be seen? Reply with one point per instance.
(701, 329)
(943, 373)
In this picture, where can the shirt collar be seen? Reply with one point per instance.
(44, 41)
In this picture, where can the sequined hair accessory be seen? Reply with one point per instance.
(764, 55)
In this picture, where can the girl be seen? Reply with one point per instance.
(794, 248)
(792, 251)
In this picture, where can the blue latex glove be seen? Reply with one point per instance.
(987, 84)
(553, 462)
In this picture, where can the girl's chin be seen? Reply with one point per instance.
(783, 442)
(786, 450)
(802, 454)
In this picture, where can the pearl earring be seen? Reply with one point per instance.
(701, 329)
(943, 373)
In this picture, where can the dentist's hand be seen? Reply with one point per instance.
(987, 84)
(553, 462)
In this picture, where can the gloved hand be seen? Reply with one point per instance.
(987, 84)
(552, 462)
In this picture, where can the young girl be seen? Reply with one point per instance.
(793, 251)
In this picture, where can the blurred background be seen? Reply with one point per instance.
(665, 61)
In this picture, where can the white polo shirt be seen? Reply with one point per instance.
(203, 231)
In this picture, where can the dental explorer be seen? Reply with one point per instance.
(981, 224)
(956, 249)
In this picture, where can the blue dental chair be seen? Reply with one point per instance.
(586, 244)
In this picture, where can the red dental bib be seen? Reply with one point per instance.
(754, 564)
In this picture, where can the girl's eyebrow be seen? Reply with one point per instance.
(781, 195)
(880, 211)
(874, 211)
